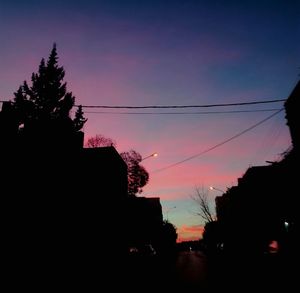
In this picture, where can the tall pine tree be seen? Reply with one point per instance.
(46, 104)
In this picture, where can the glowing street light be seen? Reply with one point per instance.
(152, 155)
(214, 188)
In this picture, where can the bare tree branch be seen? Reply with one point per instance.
(201, 199)
(100, 141)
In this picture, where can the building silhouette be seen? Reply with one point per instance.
(66, 211)
(144, 221)
(66, 206)
(263, 208)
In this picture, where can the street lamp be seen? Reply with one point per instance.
(214, 188)
(152, 155)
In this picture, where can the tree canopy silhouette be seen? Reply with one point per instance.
(138, 176)
(79, 119)
(100, 141)
(47, 101)
(169, 233)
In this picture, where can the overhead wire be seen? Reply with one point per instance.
(178, 106)
(265, 145)
(181, 113)
(191, 113)
(182, 106)
(219, 144)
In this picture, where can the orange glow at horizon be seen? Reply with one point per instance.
(189, 233)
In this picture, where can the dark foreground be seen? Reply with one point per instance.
(196, 271)
(191, 270)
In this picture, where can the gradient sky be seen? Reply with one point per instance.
(167, 53)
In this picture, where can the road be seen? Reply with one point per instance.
(191, 270)
(186, 270)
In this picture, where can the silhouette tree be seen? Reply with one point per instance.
(169, 232)
(47, 99)
(212, 235)
(100, 141)
(166, 244)
(138, 176)
(201, 199)
(79, 119)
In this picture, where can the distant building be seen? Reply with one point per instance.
(144, 220)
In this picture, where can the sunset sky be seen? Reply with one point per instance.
(140, 53)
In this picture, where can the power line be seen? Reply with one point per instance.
(266, 144)
(179, 113)
(219, 144)
(178, 106)
(182, 106)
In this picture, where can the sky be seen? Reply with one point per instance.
(140, 53)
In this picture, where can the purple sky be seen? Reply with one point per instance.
(167, 53)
